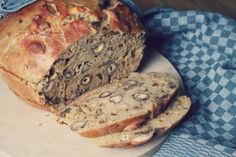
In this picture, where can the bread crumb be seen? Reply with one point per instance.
(40, 124)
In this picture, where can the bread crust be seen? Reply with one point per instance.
(35, 36)
(157, 129)
(131, 143)
(114, 128)
(23, 90)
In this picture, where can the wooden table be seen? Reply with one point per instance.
(226, 7)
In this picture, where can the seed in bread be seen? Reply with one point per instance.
(122, 105)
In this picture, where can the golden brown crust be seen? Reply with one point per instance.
(114, 128)
(91, 4)
(26, 92)
(34, 37)
(127, 144)
(123, 124)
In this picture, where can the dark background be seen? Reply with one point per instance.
(225, 7)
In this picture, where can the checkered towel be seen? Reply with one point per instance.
(202, 47)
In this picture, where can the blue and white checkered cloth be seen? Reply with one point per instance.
(202, 47)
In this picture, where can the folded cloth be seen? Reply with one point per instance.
(8, 6)
(202, 47)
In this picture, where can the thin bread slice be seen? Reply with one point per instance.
(163, 123)
(120, 106)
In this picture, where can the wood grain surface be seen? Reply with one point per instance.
(225, 7)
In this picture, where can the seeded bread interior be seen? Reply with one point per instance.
(122, 105)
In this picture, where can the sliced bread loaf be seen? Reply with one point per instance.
(159, 125)
(52, 51)
(120, 106)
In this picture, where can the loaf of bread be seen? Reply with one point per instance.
(121, 106)
(52, 51)
(160, 125)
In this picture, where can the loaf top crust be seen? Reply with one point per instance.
(34, 37)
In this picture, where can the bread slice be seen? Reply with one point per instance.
(120, 106)
(159, 125)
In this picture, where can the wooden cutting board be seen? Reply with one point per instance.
(29, 132)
